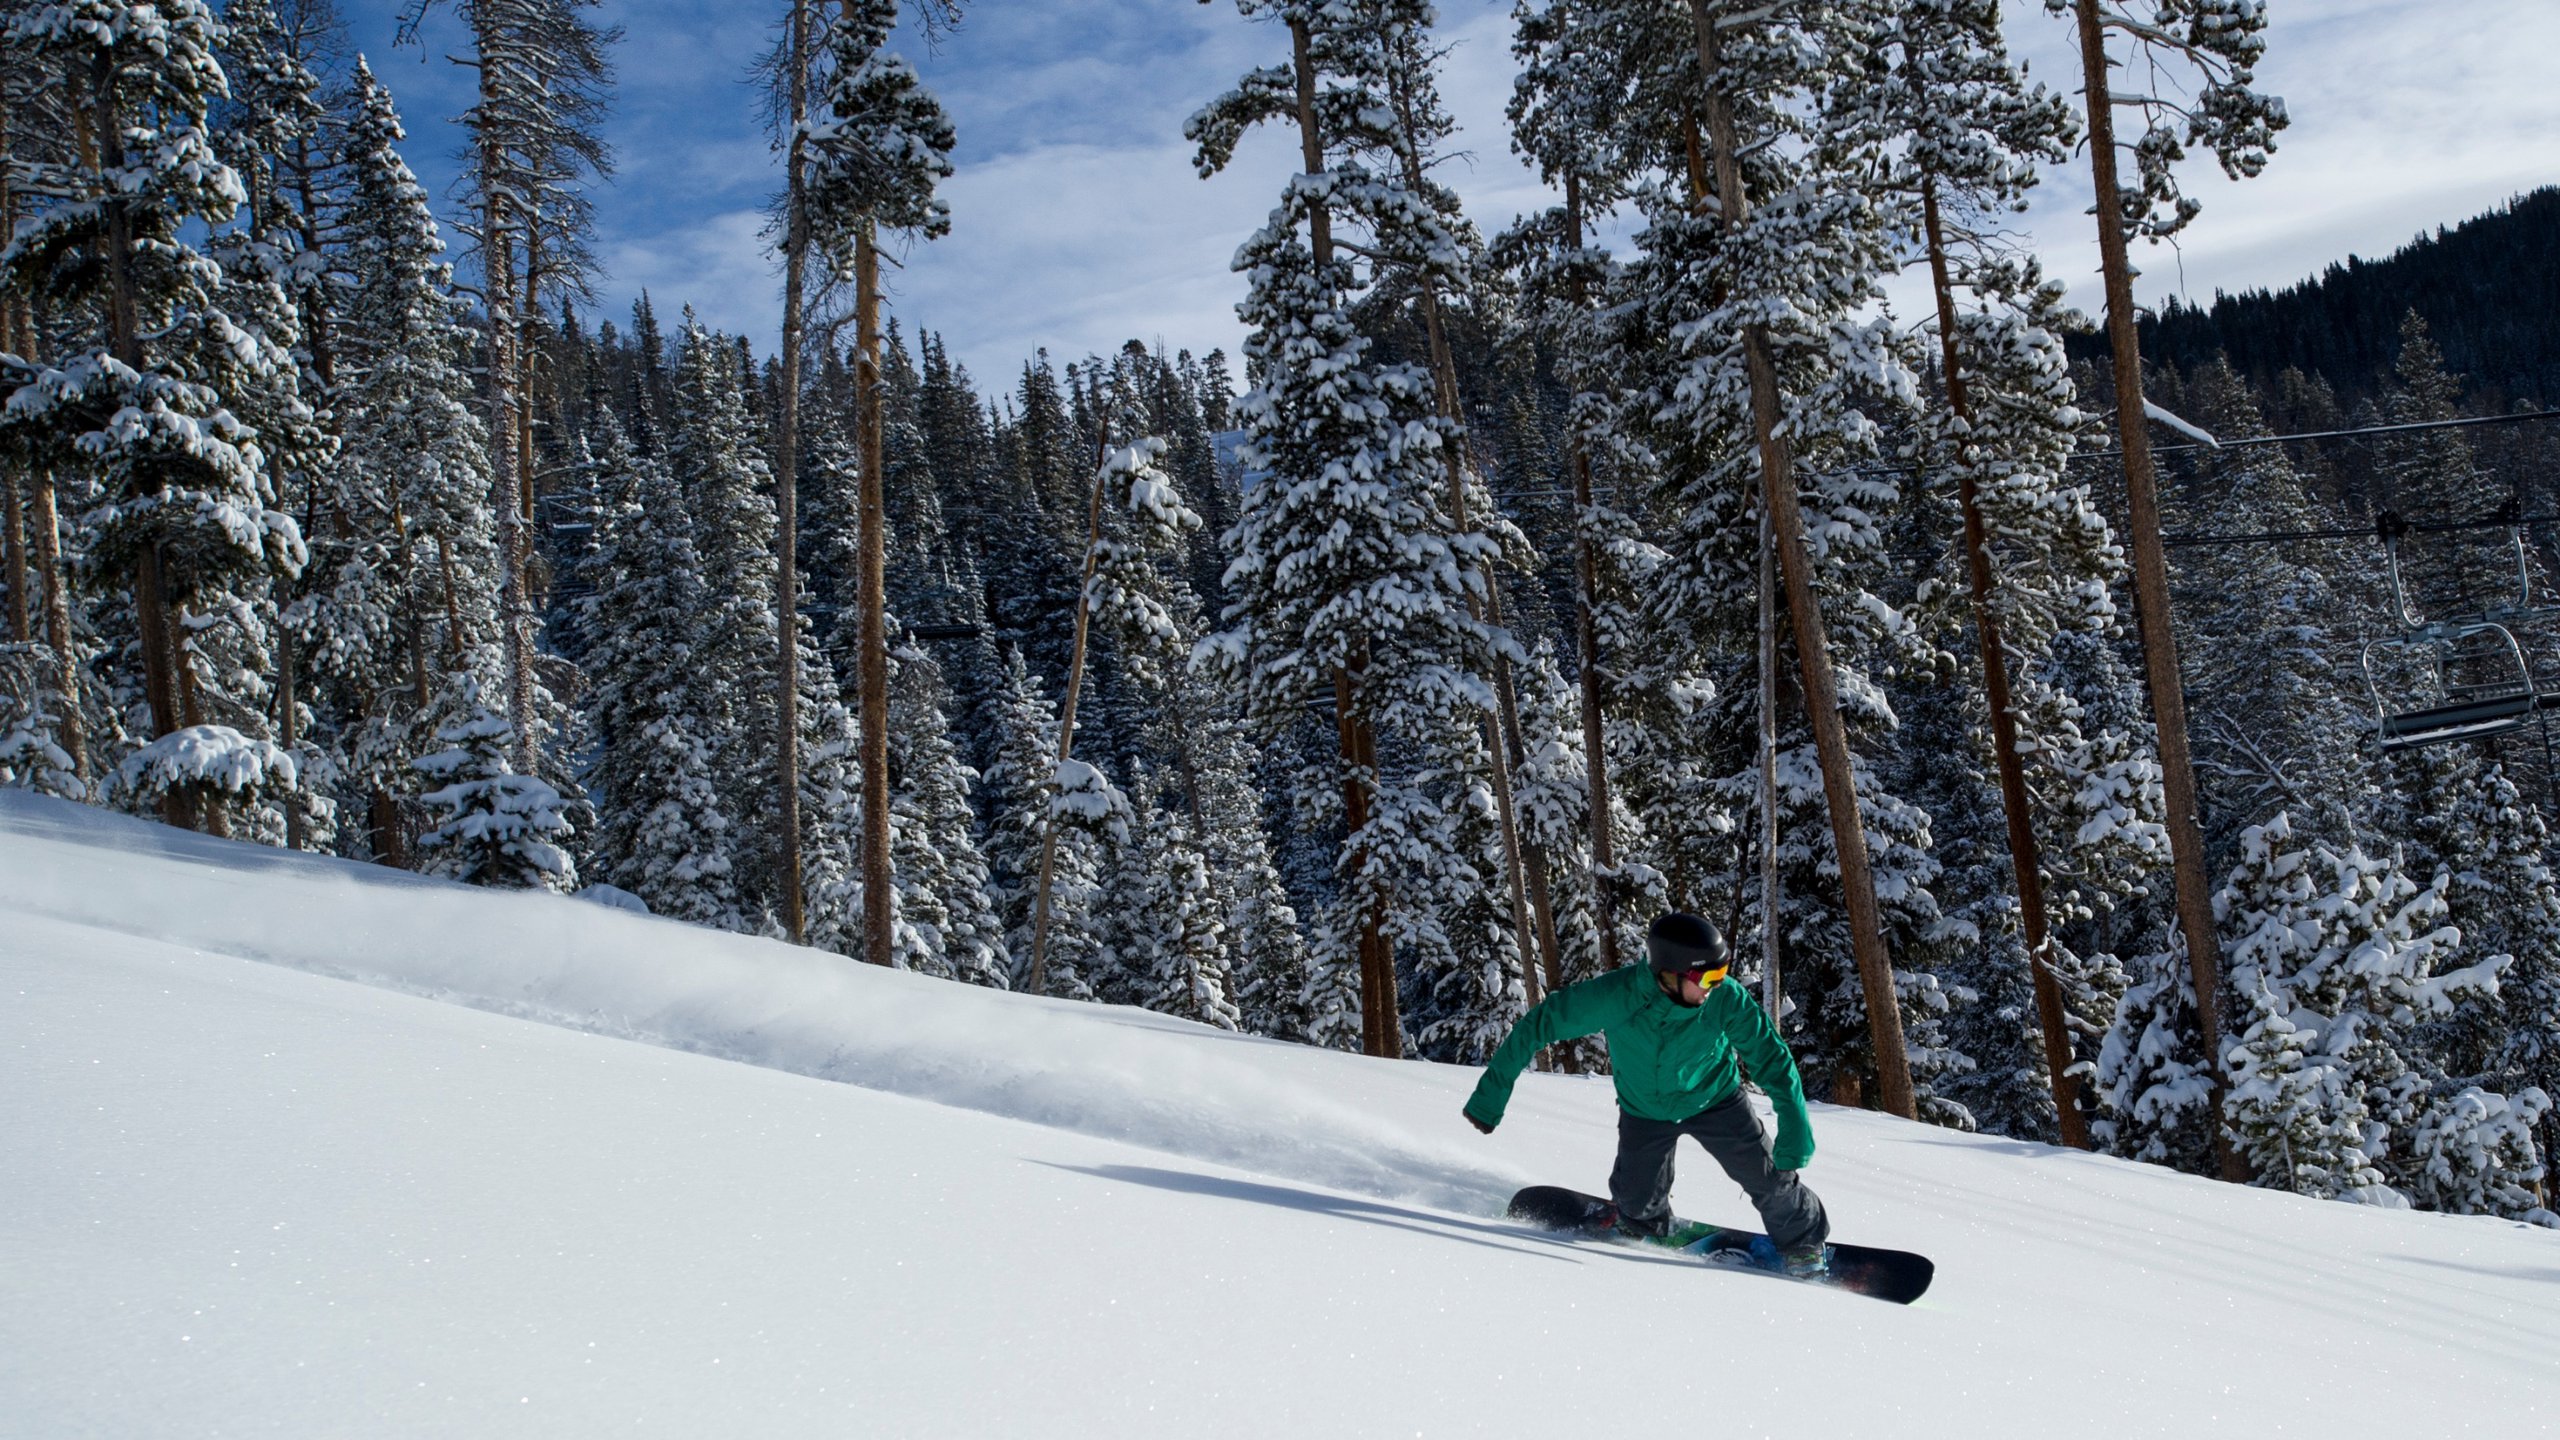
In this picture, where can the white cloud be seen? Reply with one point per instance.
(1078, 223)
(719, 265)
(1078, 248)
(2405, 115)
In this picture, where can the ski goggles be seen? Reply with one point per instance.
(1702, 977)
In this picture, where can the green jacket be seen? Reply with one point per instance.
(1670, 1062)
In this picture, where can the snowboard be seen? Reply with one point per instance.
(1895, 1275)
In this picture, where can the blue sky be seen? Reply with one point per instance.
(1077, 222)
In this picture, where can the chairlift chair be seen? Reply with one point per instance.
(2480, 670)
(2477, 664)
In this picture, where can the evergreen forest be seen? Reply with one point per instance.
(1364, 687)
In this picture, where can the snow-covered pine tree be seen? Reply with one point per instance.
(876, 147)
(1426, 261)
(1349, 574)
(1163, 930)
(31, 755)
(1266, 951)
(2267, 637)
(665, 835)
(946, 918)
(2264, 635)
(716, 457)
(495, 827)
(44, 717)
(419, 602)
(1954, 131)
(1035, 554)
(2087, 783)
(1567, 118)
(2430, 477)
(2493, 847)
(1692, 321)
(273, 286)
(2200, 58)
(2335, 959)
(536, 133)
(204, 768)
(1555, 794)
(185, 507)
(1018, 782)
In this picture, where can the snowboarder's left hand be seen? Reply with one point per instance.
(1794, 1149)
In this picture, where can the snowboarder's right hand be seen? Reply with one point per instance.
(1472, 1120)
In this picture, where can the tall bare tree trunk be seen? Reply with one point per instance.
(1381, 1009)
(1813, 645)
(382, 821)
(1586, 573)
(786, 492)
(873, 638)
(44, 559)
(21, 614)
(2151, 585)
(297, 827)
(47, 532)
(1067, 717)
(1381, 1024)
(160, 671)
(452, 612)
(2024, 862)
(1773, 985)
(161, 679)
(509, 483)
(528, 308)
(1524, 870)
(21, 625)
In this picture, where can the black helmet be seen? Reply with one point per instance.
(1685, 942)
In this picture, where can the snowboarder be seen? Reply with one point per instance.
(1675, 1029)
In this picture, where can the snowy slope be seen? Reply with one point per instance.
(240, 1195)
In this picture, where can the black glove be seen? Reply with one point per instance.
(1480, 1125)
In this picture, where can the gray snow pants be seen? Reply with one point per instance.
(1641, 1183)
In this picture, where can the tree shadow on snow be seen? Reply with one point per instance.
(1491, 1235)
(2502, 1272)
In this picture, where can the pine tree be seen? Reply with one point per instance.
(666, 835)
(1348, 571)
(2086, 783)
(536, 131)
(1743, 312)
(2201, 59)
(420, 599)
(185, 506)
(31, 758)
(1018, 789)
(943, 900)
(2335, 958)
(2267, 635)
(715, 456)
(497, 827)
(1164, 931)
(879, 144)
(2431, 477)
(2502, 896)
(1567, 118)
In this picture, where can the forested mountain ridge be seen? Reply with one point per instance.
(2488, 288)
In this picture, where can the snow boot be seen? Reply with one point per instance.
(1805, 1262)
